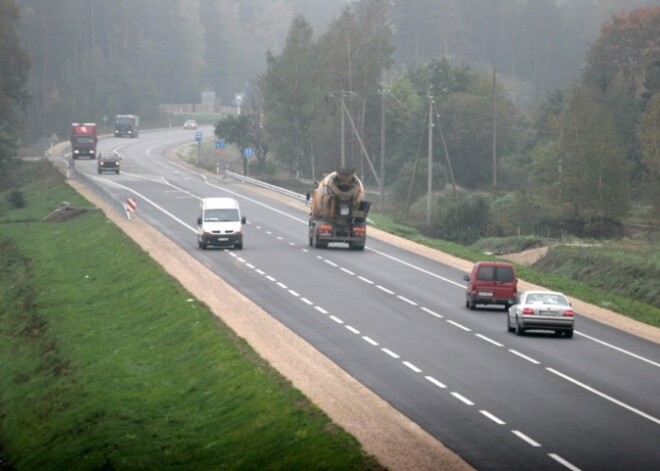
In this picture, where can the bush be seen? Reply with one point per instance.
(16, 199)
(464, 221)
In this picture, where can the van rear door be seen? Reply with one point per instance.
(498, 280)
(504, 282)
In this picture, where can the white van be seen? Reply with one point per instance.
(219, 223)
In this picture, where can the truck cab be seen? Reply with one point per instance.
(127, 125)
(83, 140)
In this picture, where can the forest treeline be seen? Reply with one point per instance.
(540, 122)
(583, 161)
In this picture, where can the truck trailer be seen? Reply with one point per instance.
(83, 140)
(338, 211)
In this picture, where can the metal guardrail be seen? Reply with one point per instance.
(94, 185)
(267, 186)
(118, 204)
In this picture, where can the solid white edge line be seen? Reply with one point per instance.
(561, 460)
(398, 260)
(605, 396)
(524, 437)
(619, 349)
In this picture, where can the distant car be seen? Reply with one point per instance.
(541, 310)
(491, 283)
(108, 163)
(190, 124)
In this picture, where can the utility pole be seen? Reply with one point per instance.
(494, 134)
(430, 163)
(342, 139)
(382, 148)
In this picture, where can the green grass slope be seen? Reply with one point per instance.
(107, 363)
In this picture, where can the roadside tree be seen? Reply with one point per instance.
(648, 135)
(14, 66)
(244, 131)
(591, 171)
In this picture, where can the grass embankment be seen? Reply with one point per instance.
(616, 276)
(107, 363)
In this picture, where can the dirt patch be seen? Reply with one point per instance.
(65, 213)
(527, 257)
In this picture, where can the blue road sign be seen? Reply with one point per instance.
(220, 144)
(247, 153)
(198, 136)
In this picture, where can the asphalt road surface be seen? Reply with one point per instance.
(396, 322)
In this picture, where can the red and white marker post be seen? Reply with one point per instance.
(130, 206)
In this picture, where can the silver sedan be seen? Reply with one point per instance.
(541, 310)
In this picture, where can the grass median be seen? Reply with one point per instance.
(106, 362)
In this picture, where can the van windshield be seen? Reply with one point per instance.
(218, 215)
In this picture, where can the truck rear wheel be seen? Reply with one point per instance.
(317, 243)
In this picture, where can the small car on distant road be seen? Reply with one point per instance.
(108, 162)
(190, 124)
(541, 310)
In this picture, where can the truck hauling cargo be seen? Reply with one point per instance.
(127, 125)
(338, 211)
(83, 140)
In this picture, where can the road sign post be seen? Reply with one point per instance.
(247, 155)
(198, 138)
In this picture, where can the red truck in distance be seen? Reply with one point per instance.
(83, 140)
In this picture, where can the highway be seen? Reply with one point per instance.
(396, 322)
